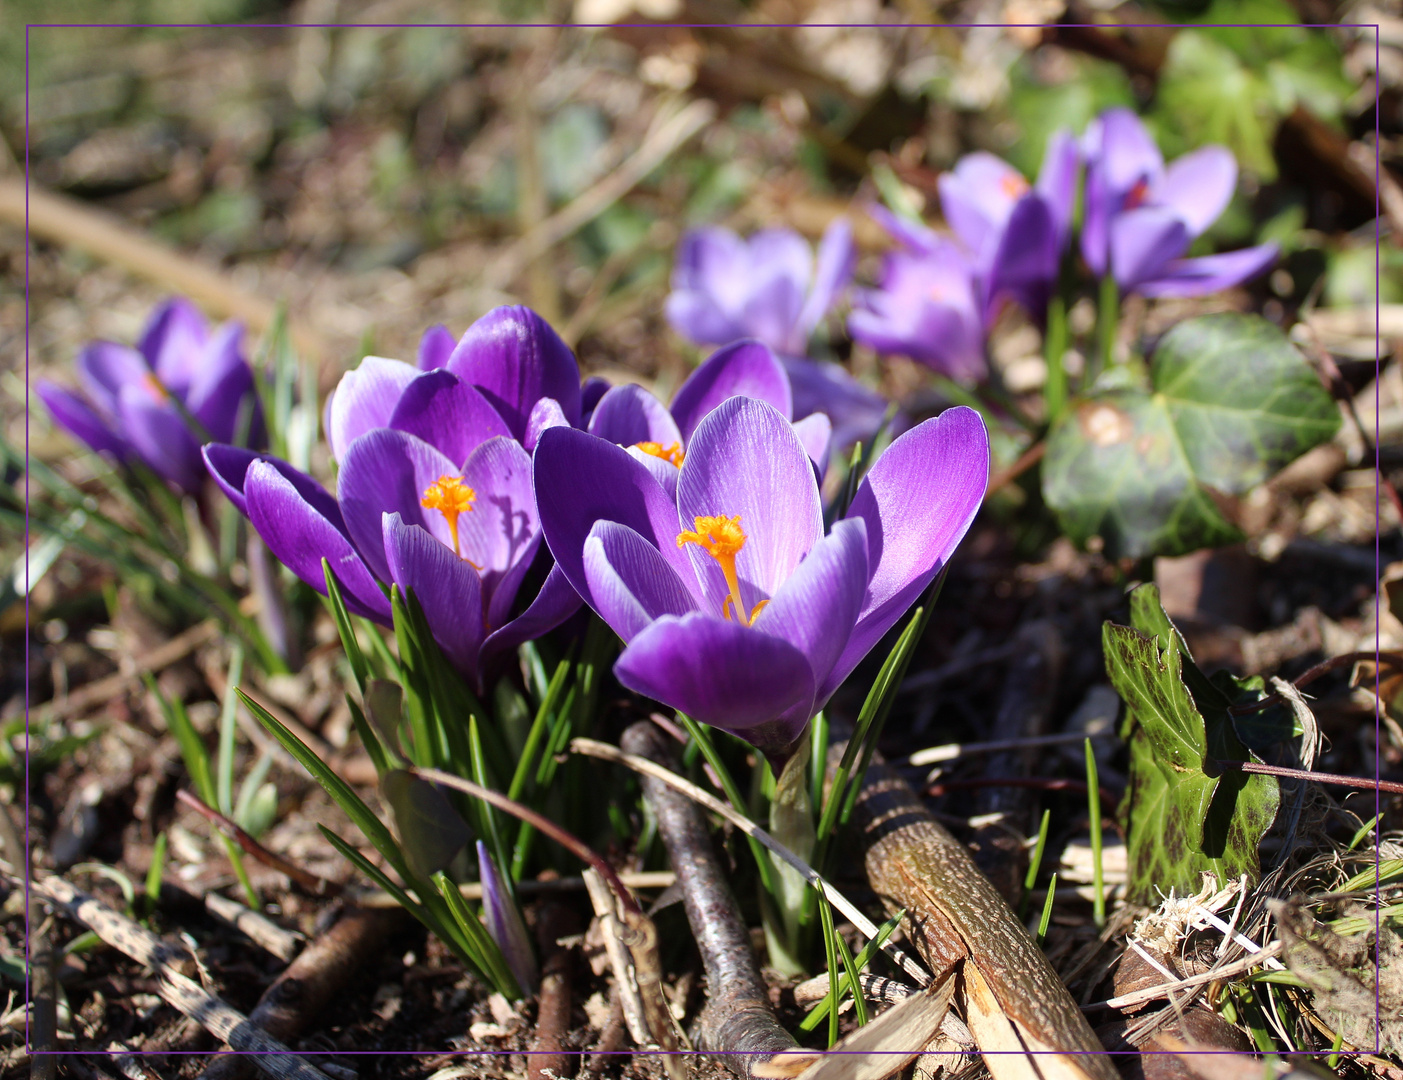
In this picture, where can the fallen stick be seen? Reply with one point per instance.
(263, 931)
(738, 1017)
(546, 1059)
(630, 1004)
(189, 997)
(67, 221)
(1013, 998)
(309, 984)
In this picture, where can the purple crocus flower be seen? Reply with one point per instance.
(150, 403)
(434, 491)
(1141, 215)
(734, 606)
(770, 288)
(937, 297)
(632, 417)
(504, 922)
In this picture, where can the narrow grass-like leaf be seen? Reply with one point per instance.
(1093, 799)
(1034, 864)
(830, 948)
(863, 958)
(192, 747)
(491, 827)
(851, 974)
(370, 739)
(1046, 918)
(489, 954)
(337, 603)
(154, 873)
(249, 794)
(224, 764)
(544, 711)
(1363, 831)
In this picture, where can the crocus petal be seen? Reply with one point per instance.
(555, 603)
(1210, 273)
(714, 263)
(746, 460)
(629, 414)
(222, 396)
(816, 435)
(817, 608)
(447, 588)
(745, 368)
(721, 673)
(771, 312)
(300, 538)
(917, 500)
(435, 347)
(1198, 186)
(1025, 264)
(581, 479)
(157, 432)
(446, 413)
(514, 357)
(504, 922)
(593, 389)
(1143, 241)
(837, 259)
(546, 413)
(630, 582)
(502, 532)
(387, 472)
(978, 196)
(75, 416)
(1057, 180)
(697, 318)
(229, 467)
(104, 367)
(173, 342)
(912, 235)
(855, 410)
(664, 472)
(364, 399)
(1127, 153)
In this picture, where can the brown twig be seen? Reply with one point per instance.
(1322, 668)
(67, 221)
(311, 982)
(279, 942)
(1026, 461)
(738, 1017)
(1361, 782)
(625, 990)
(303, 879)
(545, 1059)
(178, 990)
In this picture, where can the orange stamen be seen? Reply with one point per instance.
(673, 454)
(450, 497)
(1137, 195)
(1013, 185)
(722, 539)
(155, 386)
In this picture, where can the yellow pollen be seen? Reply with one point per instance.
(155, 386)
(673, 454)
(450, 497)
(721, 538)
(1013, 185)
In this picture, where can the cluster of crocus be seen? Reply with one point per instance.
(434, 491)
(182, 385)
(772, 289)
(938, 296)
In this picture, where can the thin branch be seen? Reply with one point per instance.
(303, 879)
(593, 748)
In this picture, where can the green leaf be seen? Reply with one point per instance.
(1231, 402)
(337, 603)
(430, 831)
(192, 747)
(1182, 812)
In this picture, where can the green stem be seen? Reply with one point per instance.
(1107, 319)
(1054, 349)
(792, 824)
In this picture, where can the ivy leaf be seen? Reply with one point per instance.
(1183, 814)
(430, 831)
(1231, 401)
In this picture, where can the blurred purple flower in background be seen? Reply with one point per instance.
(937, 298)
(1141, 215)
(734, 606)
(771, 288)
(155, 403)
(434, 492)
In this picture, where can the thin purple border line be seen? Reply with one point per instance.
(1378, 363)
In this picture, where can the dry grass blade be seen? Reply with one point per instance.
(189, 997)
(899, 956)
(1153, 993)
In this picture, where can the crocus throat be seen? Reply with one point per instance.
(721, 538)
(155, 387)
(1138, 194)
(672, 454)
(450, 497)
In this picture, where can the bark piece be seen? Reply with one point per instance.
(545, 1058)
